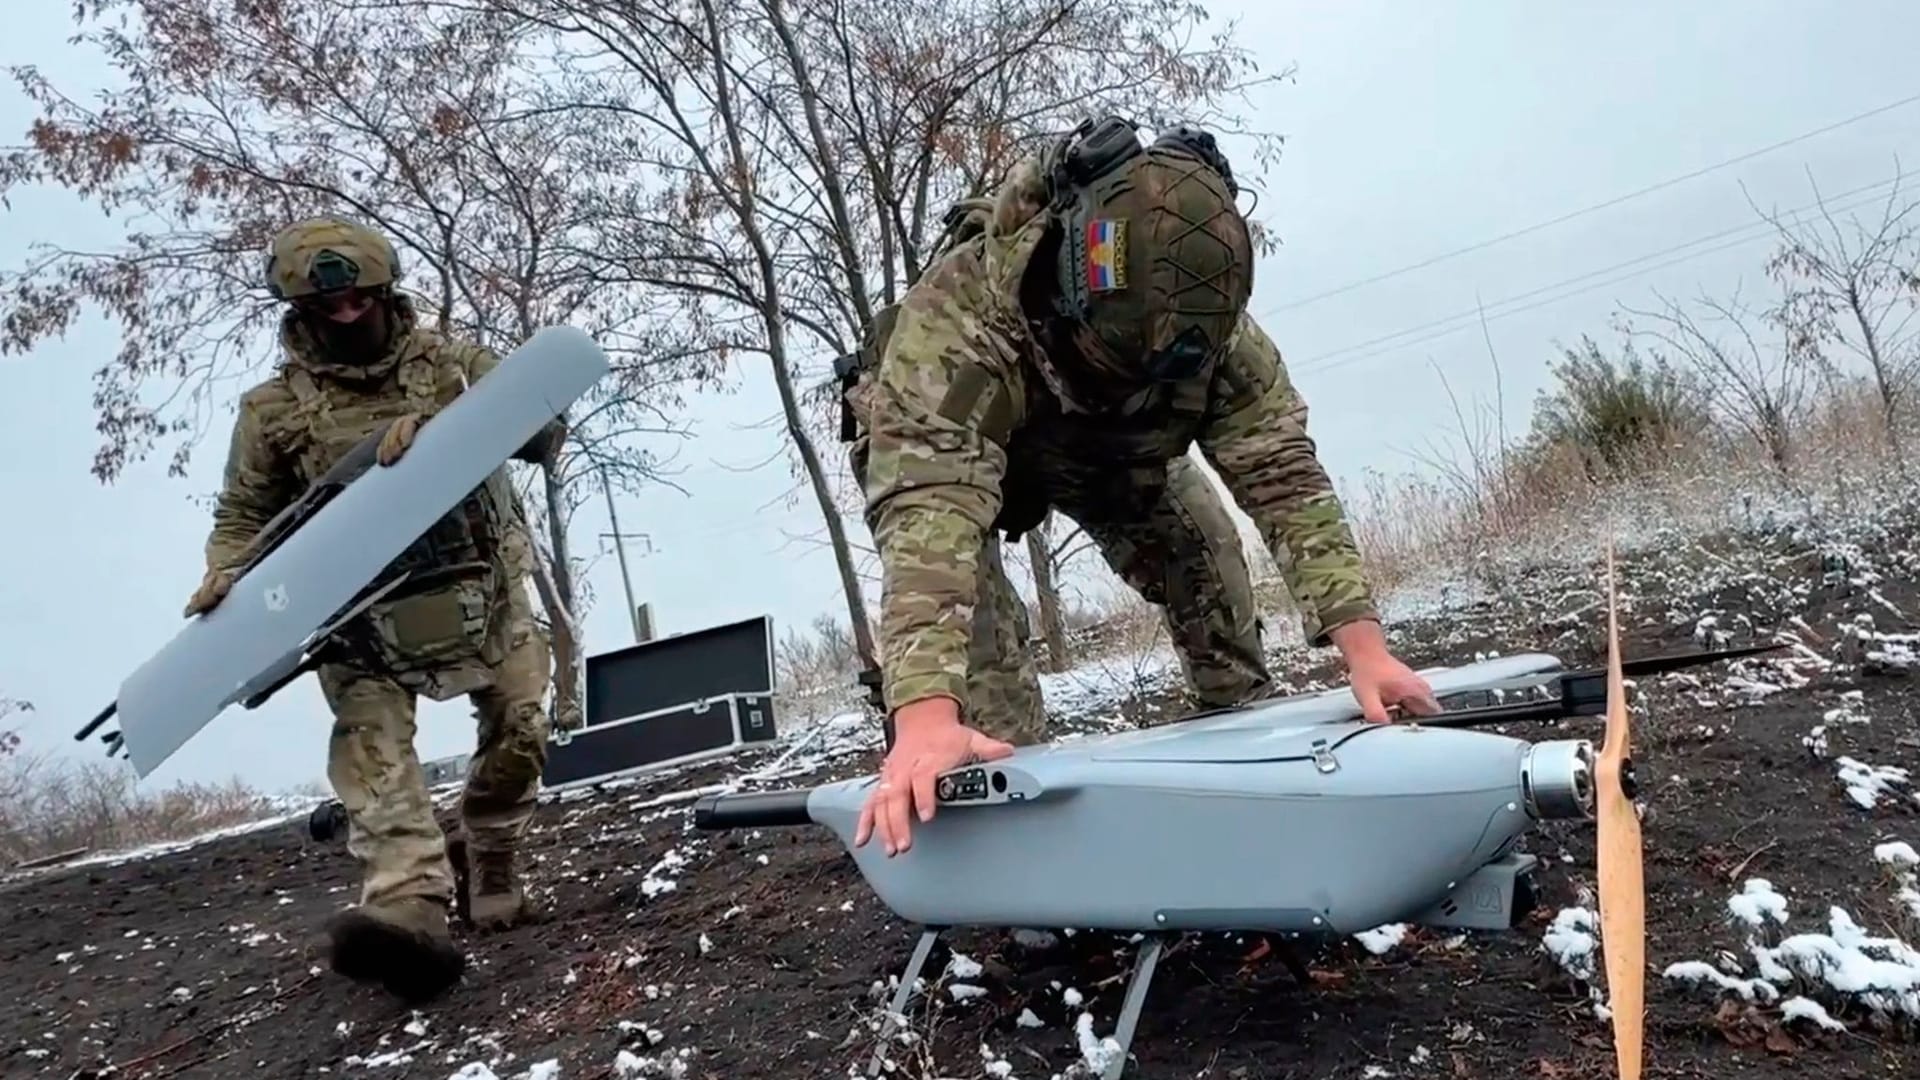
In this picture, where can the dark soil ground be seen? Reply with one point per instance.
(767, 956)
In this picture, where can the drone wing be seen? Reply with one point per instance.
(1622, 878)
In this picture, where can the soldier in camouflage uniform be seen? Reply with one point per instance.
(358, 363)
(1088, 330)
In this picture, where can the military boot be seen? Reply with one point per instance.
(497, 902)
(403, 945)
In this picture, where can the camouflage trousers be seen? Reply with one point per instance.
(1185, 557)
(377, 777)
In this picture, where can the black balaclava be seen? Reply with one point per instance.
(359, 342)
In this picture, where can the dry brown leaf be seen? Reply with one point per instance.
(1740, 1024)
(1779, 1042)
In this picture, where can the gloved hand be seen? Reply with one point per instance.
(399, 436)
(213, 589)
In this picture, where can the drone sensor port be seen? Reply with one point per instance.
(1557, 777)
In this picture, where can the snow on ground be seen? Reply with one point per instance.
(281, 810)
(1823, 972)
(1096, 688)
(1827, 977)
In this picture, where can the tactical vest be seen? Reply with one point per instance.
(440, 633)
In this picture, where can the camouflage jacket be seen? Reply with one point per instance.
(957, 378)
(293, 426)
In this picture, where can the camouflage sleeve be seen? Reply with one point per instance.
(1256, 438)
(257, 484)
(939, 407)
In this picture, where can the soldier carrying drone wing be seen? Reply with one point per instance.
(357, 363)
(1082, 329)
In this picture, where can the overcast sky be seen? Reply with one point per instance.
(1413, 130)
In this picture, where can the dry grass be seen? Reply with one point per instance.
(49, 806)
(1536, 507)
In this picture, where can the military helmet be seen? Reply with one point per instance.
(1155, 263)
(326, 254)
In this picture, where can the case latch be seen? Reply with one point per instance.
(1323, 758)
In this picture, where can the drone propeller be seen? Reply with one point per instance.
(1623, 927)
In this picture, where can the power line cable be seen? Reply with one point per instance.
(1617, 200)
(1471, 315)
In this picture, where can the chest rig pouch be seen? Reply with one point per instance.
(964, 220)
(439, 632)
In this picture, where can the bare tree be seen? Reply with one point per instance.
(1757, 368)
(1853, 286)
(1044, 566)
(797, 155)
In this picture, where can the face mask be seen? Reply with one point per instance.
(351, 330)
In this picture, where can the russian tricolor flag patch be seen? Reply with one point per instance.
(1106, 255)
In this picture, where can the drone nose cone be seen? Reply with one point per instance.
(1557, 777)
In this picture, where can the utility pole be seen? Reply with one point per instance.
(640, 633)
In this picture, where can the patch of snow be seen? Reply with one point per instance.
(1095, 684)
(1799, 1008)
(1905, 862)
(1845, 964)
(1382, 939)
(1696, 971)
(657, 880)
(1851, 710)
(1757, 900)
(1896, 853)
(1573, 938)
(1816, 741)
(1867, 784)
(628, 1065)
(388, 1059)
(1097, 1054)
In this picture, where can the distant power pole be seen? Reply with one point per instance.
(640, 614)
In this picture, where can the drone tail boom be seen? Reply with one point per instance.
(753, 810)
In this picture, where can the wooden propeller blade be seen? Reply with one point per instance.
(1622, 877)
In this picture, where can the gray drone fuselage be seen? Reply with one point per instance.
(271, 616)
(1287, 815)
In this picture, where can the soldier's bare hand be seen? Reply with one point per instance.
(214, 587)
(929, 739)
(1378, 678)
(398, 438)
(1383, 681)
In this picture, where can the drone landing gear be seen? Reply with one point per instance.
(897, 1008)
(1136, 996)
(1130, 1004)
